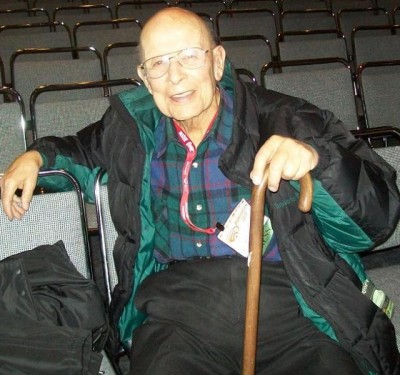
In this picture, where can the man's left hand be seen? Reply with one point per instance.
(288, 159)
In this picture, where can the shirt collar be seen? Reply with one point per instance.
(220, 132)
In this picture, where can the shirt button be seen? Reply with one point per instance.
(199, 244)
(199, 207)
(195, 164)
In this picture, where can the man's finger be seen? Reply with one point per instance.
(27, 193)
(276, 168)
(17, 210)
(261, 160)
(7, 198)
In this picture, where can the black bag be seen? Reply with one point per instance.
(53, 320)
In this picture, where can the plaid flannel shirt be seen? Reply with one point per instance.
(212, 196)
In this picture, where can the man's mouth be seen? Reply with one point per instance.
(182, 96)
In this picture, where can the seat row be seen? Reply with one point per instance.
(285, 20)
(32, 67)
(327, 37)
(366, 101)
(249, 51)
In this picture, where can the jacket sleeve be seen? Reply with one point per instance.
(356, 203)
(82, 154)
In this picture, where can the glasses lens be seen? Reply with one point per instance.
(157, 66)
(191, 58)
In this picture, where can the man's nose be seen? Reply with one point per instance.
(175, 70)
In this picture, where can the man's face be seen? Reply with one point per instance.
(183, 93)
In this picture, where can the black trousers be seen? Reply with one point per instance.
(195, 324)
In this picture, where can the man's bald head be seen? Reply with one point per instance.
(171, 17)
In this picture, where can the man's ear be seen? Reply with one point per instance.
(219, 61)
(143, 77)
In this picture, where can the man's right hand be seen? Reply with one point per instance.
(21, 174)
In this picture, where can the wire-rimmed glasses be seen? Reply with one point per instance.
(190, 58)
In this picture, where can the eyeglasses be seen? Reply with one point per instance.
(190, 58)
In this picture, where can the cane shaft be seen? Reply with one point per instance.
(254, 263)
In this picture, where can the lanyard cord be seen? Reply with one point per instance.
(191, 153)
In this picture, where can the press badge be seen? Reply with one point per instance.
(237, 228)
(378, 297)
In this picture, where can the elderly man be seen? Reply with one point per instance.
(182, 153)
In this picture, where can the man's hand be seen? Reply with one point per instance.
(288, 159)
(21, 174)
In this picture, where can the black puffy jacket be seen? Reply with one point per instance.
(355, 206)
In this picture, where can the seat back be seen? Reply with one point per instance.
(396, 15)
(375, 43)
(27, 75)
(107, 232)
(274, 5)
(308, 19)
(15, 4)
(211, 7)
(66, 117)
(120, 30)
(250, 52)
(251, 21)
(51, 217)
(348, 19)
(71, 15)
(331, 88)
(337, 5)
(12, 127)
(22, 16)
(141, 11)
(303, 4)
(312, 44)
(50, 5)
(379, 88)
(35, 35)
(121, 60)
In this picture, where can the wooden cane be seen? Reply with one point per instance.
(254, 264)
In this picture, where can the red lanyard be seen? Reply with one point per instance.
(191, 153)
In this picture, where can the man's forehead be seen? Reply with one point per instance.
(158, 42)
(173, 29)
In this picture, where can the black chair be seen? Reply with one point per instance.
(380, 92)
(62, 118)
(7, 5)
(12, 127)
(309, 44)
(56, 65)
(57, 117)
(21, 16)
(350, 18)
(249, 21)
(331, 87)
(141, 10)
(35, 35)
(121, 60)
(119, 30)
(250, 52)
(304, 4)
(71, 15)
(308, 19)
(375, 43)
